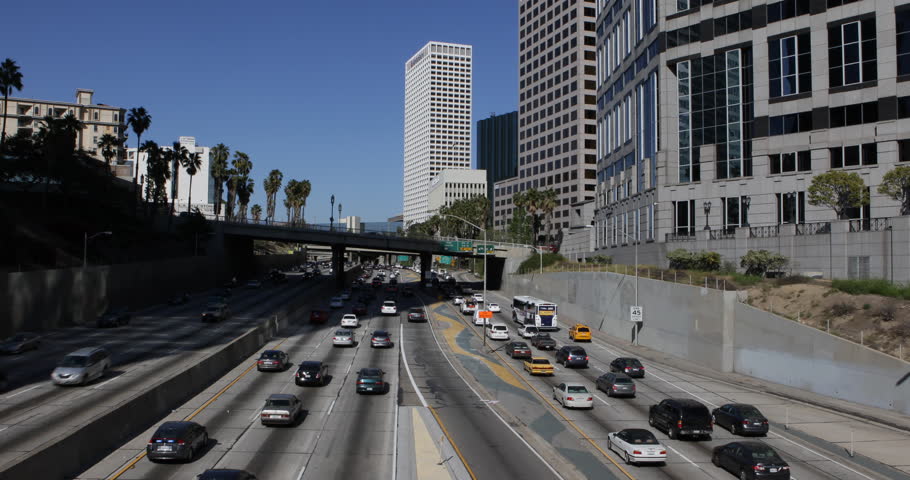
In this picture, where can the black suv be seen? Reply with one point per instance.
(681, 416)
(628, 365)
(312, 373)
(571, 356)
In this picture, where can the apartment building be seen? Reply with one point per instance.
(453, 185)
(557, 107)
(203, 187)
(437, 120)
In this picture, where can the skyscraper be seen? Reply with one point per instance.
(497, 148)
(437, 120)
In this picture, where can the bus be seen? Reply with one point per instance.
(534, 311)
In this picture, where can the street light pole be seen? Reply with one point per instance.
(332, 212)
(339, 216)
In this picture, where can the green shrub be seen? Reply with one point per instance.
(707, 261)
(601, 259)
(682, 259)
(873, 286)
(743, 280)
(866, 306)
(760, 262)
(532, 263)
(728, 267)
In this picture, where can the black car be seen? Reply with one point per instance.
(751, 460)
(543, 341)
(371, 380)
(312, 373)
(20, 342)
(225, 474)
(681, 416)
(740, 419)
(114, 318)
(628, 365)
(518, 350)
(416, 314)
(177, 441)
(571, 356)
(272, 360)
(616, 384)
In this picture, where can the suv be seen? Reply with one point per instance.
(114, 317)
(311, 372)
(319, 316)
(389, 308)
(628, 365)
(681, 416)
(215, 313)
(570, 356)
(497, 331)
(82, 366)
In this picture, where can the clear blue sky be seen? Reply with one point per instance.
(313, 88)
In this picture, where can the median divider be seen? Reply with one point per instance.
(74, 451)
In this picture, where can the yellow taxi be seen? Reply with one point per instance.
(580, 332)
(538, 366)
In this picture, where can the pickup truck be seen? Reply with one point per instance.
(580, 332)
(543, 341)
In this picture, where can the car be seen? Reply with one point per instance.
(389, 307)
(20, 342)
(216, 313)
(572, 356)
(740, 419)
(497, 331)
(381, 339)
(416, 314)
(580, 333)
(336, 302)
(272, 360)
(343, 338)
(458, 300)
(114, 317)
(177, 440)
(254, 284)
(225, 474)
(543, 341)
(311, 372)
(751, 460)
(616, 384)
(494, 307)
(478, 297)
(371, 380)
(637, 445)
(468, 307)
(573, 395)
(528, 331)
(628, 365)
(82, 366)
(538, 366)
(349, 320)
(281, 409)
(359, 308)
(393, 280)
(681, 417)
(345, 295)
(518, 350)
(319, 316)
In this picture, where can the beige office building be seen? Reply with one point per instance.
(453, 185)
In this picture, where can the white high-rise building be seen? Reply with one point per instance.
(203, 195)
(437, 120)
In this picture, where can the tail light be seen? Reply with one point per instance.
(745, 422)
(663, 452)
(156, 440)
(785, 467)
(360, 382)
(641, 367)
(379, 382)
(679, 423)
(627, 369)
(586, 358)
(764, 422)
(570, 399)
(758, 468)
(181, 442)
(590, 399)
(636, 452)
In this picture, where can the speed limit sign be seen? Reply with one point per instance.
(636, 313)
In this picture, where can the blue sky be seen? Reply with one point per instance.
(313, 88)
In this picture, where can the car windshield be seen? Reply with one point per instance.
(342, 333)
(583, 329)
(576, 389)
(309, 368)
(380, 334)
(74, 361)
(531, 329)
(520, 345)
(749, 411)
(764, 454)
(277, 403)
(622, 380)
(370, 372)
(389, 303)
(270, 354)
(633, 362)
(543, 335)
(170, 431)
(641, 437)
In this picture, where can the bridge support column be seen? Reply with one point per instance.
(338, 252)
(426, 261)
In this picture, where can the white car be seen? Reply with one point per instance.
(336, 302)
(389, 308)
(637, 445)
(494, 307)
(497, 331)
(573, 395)
(468, 307)
(343, 338)
(478, 297)
(458, 300)
(480, 321)
(528, 331)
(349, 320)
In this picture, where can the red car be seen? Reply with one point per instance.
(319, 316)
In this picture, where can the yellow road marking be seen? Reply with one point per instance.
(452, 441)
(142, 455)
(450, 334)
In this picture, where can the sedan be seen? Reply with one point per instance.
(518, 350)
(628, 365)
(254, 284)
(319, 316)
(311, 373)
(20, 342)
(478, 297)
(336, 302)
(389, 307)
(458, 300)
(343, 338)
(740, 419)
(371, 380)
(573, 395)
(528, 331)
(225, 474)
(381, 339)
(416, 314)
(616, 384)
(273, 360)
(637, 445)
(751, 460)
(349, 320)
(538, 366)
(494, 307)
(345, 295)
(281, 409)
(177, 441)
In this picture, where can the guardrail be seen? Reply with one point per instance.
(869, 225)
(816, 228)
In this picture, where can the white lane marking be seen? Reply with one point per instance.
(423, 401)
(23, 391)
(822, 456)
(331, 407)
(4, 428)
(96, 387)
(349, 369)
(504, 422)
(602, 400)
(683, 389)
(684, 457)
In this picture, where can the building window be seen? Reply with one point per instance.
(95, 116)
(851, 53)
(856, 114)
(730, 153)
(650, 222)
(903, 150)
(684, 217)
(902, 20)
(791, 123)
(734, 213)
(791, 207)
(790, 63)
(689, 170)
(682, 5)
(854, 155)
(790, 162)
(787, 9)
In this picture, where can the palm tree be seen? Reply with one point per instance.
(256, 212)
(177, 156)
(305, 188)
(271, 185)
(140, 121)
(287, 205)
(548, 203)
(218, 169)
(290, 190)
(244, 190)
(109, 145)
(241, 167)
(10, 78)
(192, 164)
(157, 174)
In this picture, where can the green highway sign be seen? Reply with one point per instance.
(403, 258)
(483, 249)
(445, 259)
(458, 246)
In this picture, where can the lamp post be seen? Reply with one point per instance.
(88, 237)
(331, 212)
(484, 230)
(339, 217)
(747, 200)
(707, 207)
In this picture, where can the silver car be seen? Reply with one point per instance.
(82, 366)
(343, 338)
(282, 409)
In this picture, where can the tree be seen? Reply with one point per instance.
(271, 185)
(157, 173)
(139, 120)
(109, 146)
(177, 156)
(240, 169)
(548, 203)
(10, 78)
(896, 185)
(256, 212)
(245, 187)
(290, 189)
(304, 189)
(192, 164)
(839, 191)
(218, 169)
(520, 226)
(530, 200)
(760, 262)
